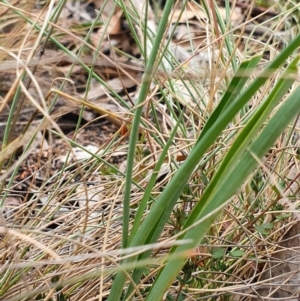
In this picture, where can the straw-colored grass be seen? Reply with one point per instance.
(139, 170)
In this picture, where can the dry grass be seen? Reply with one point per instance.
(61, 218)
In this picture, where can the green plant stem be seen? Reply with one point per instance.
(117, 287)
(146, 81)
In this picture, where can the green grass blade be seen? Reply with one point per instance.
(161, 210)
(146, 81)
(172, 192)
(227, 188)
(247, 134)
(234, 89)
(151, 183)
(148, 75)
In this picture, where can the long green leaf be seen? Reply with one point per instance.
(234, 88)
(154, 222)
(172, 192)
(148, 75)
(151, 183)
(146, 81)
(247, 134)
(289, 109)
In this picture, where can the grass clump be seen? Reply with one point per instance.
(142, 163)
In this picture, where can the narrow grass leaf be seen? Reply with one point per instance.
(146, 81)
(153, 224)
(151, 183)
(247, 134)
(148, 75)
(233, 90)
(172, 192)
(226, 189)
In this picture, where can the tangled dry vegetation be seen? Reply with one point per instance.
(68, 90)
